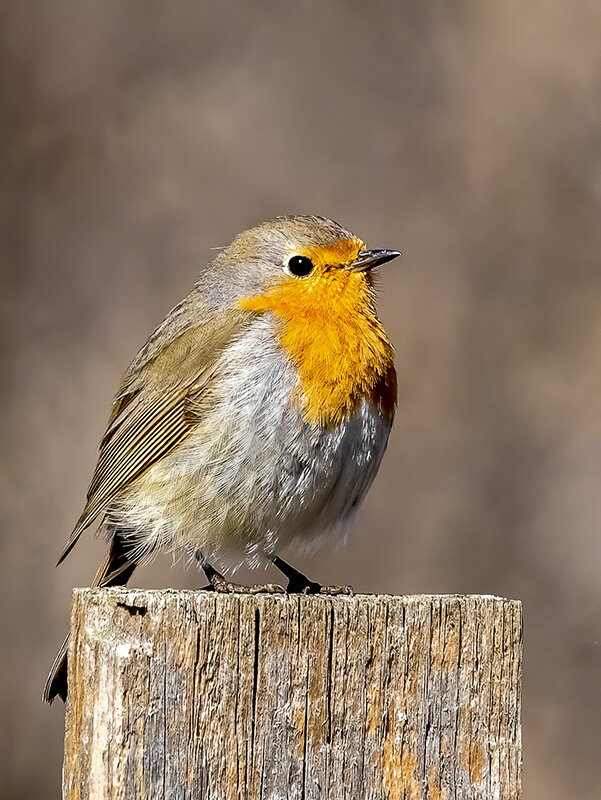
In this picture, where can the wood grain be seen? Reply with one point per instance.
(178, 694)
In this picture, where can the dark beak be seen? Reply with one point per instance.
(368, 259)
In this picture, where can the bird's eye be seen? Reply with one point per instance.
(300, 266)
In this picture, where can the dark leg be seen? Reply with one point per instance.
(220, 584)
(300, 584)
(118, 566)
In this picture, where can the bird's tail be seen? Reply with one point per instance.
(116, 570)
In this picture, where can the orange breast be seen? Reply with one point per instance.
(328, 327)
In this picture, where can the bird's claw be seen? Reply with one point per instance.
(335, 590)
(220, 584)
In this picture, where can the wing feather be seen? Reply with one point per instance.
(152, 414)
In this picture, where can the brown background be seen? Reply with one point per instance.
(136, 136)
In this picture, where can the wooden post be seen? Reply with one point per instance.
(199, 696)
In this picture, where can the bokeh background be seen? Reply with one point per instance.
(137, 136)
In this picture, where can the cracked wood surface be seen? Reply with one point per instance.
(180, 694)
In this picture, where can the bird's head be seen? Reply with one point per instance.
(314, 280)
(294, 260)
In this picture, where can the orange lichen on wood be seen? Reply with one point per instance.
(473, 758)
(399, 774)
(435, 792)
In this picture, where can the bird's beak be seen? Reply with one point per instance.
(368, 259)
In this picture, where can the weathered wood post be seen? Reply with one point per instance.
(178, 694)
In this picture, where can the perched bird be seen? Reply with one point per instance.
(257, 413)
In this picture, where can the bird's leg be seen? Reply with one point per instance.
(219, 583)
(299, 583)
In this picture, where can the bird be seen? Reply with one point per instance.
(256, 414)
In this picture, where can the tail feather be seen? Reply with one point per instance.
(56, 682)
(116, 570)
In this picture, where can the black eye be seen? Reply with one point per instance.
(300, 266)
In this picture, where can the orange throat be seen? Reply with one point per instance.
(329, 329)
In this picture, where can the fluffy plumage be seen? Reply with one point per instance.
(257, 412)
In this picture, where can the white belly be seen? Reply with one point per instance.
(254, 475)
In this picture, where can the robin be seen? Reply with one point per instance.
(256, 414)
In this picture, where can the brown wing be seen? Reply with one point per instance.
(152, 412)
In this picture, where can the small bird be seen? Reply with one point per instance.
(256, 414)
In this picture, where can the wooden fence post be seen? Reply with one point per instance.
(199, 696)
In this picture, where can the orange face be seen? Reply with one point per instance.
(337, 255)
(329, 328)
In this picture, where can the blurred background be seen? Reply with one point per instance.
(137, 136)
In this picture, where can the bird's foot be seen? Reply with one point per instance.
(332, 590)
(300, 584)
(220, 584)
